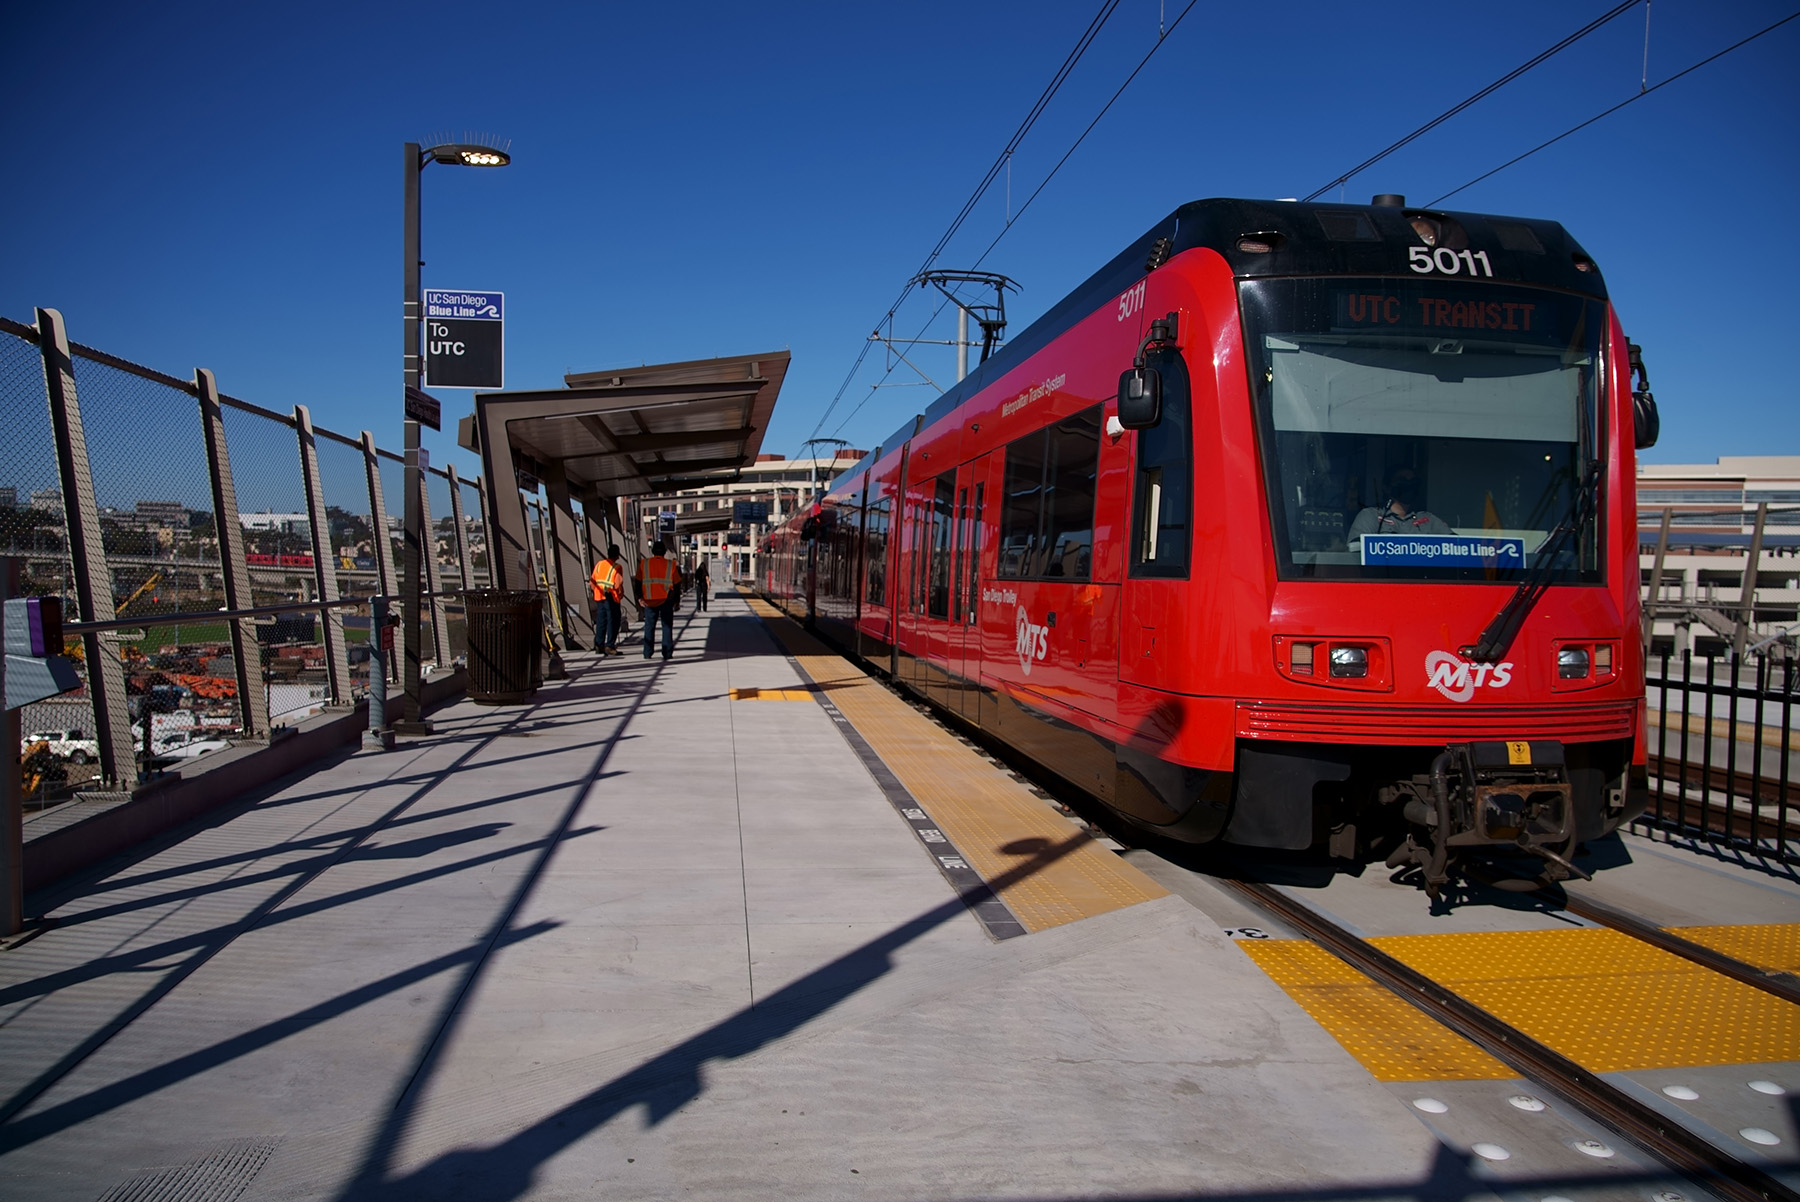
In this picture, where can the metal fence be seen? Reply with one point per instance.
(1721, 749)
(136, 495)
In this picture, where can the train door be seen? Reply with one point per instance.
(1159, 555)
(914, 585)
(965, 651)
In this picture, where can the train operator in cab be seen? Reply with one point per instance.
(1401, 515)
(657, 585)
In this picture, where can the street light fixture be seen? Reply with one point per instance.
(454, 154)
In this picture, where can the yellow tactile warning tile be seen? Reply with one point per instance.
(771, 695)
(1605, 1000)
(980, 809)
(1394, 1040)
(1773, 946)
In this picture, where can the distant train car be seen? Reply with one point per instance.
(1296, 524)
(260, 560)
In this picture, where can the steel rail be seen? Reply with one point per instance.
(1709, 1166)
(1783, 985)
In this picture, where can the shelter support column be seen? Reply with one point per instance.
(570, 575)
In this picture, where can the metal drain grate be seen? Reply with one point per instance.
(219, 1176)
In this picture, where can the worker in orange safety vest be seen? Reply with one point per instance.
(609, 590)
(657, 584)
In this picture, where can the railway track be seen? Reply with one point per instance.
(1695, 1157)
(1685, 1151)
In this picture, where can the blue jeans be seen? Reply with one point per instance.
(665, 614)
(606, 624)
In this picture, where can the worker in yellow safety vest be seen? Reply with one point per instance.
(609, 590)
(657, 584)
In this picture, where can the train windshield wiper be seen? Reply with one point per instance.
(1505, 627)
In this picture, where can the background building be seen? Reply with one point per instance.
(1729, 574)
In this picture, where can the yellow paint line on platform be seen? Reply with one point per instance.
(1773, 946)
(994, 821)
(1605, 1000)
(1391, 1038)
(771, 695)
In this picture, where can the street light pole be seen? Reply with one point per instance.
(412, 707)
(413, 545)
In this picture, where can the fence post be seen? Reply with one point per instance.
(253, 698)
(433, 576)
(331, 620)
(384, 546)
(87, 555)
(465, 567)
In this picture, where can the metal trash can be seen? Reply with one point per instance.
(505, 631)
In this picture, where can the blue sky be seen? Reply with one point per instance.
(219, 185)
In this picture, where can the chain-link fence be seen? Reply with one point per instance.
(125, 468)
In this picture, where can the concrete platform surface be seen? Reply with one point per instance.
(641, 940)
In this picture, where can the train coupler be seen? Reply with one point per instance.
(1490, 794)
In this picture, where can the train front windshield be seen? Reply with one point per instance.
(1424, 429)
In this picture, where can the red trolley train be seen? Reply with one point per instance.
(1294, 524)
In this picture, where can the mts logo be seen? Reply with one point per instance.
(1032, 642)
(1457, 679)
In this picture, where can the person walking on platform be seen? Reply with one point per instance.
(657, 585)
(702, 585)
(609, 591)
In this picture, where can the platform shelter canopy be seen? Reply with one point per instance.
(618, 433)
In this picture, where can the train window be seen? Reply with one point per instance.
(1424, 430)
(875, 586)
(1047, 525)
(937, 595)
(1162, 500)
(962, 545)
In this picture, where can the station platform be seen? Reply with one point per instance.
(739, 924)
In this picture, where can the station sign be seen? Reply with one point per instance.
(465, 340)
(666, 521)
(749, 512)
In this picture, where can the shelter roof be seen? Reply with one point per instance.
(632, 431)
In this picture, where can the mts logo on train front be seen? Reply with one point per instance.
(1457, 679)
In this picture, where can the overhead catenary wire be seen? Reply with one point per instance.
(1574, 129)
(1610, 15)
(1042, 184)
(1001, 164)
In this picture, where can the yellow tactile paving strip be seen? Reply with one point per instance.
(1773, 946)
(1605, 1000)
(1393, 1039)
(771, 695)
(979, 808)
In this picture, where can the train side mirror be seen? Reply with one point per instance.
(1140, 398)
(1645, 422)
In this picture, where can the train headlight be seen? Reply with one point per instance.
(1349, 661)
(1302, 659)
(1572, 663)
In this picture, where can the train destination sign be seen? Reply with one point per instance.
(1443, 550)
(464, 338)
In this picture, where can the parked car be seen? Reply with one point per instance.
(72, 745)
(188, 745)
